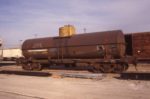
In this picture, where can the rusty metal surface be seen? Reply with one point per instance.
(78, 46)
(141, 45)
(106, 37)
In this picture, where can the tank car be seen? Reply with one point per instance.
(103, 51)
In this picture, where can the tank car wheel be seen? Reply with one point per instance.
(96, 68)
(27, 66)
(126, 66)
(70, 65)
(107, 68)
(67, 65)
(36, 66)
(119, 68)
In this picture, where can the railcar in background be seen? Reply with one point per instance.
(138, 45)
(10, 54)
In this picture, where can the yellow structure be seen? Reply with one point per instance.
(67, 30)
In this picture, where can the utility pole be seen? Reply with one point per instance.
(20, 43)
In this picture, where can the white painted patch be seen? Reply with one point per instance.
(38, 50)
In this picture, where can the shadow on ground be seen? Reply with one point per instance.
(27, 73)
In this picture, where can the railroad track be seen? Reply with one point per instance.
(54, 71)
(79, 74)
(74, 72)
(56, 74)
(135, 75)
(4, 63)
(27, 73)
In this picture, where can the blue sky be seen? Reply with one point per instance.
(23, 19)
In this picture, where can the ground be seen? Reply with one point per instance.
(110, 87)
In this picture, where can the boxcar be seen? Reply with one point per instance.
(10, 54)
(138, 45)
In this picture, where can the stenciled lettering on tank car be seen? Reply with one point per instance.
(37, 45)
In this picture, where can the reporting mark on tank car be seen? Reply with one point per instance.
(37, 45)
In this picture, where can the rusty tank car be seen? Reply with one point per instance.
(103, 51)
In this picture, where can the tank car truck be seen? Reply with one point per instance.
(103, 51)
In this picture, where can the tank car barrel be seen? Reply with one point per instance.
(80, 48)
